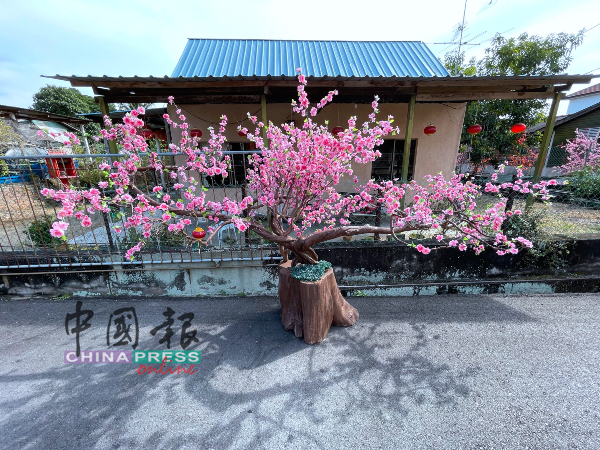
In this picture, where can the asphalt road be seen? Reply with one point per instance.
(441, 372)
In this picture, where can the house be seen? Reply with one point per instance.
(583, 99)
(27, 122)
(234, 77)
(587, 121)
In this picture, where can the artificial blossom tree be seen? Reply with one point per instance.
(293, 178)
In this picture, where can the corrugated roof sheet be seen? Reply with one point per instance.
(261, 58)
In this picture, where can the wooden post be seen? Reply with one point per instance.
(410, 115)
(112, 145)
(263, 107)
(545, 145)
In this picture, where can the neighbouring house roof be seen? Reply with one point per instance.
(153, 116)
(595, 89)
(31, 114)
(263, 58)
(561, 120)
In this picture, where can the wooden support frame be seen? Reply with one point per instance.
(410, 116)
(545, 144)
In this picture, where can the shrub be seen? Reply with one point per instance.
(586, 183)
(39, 232)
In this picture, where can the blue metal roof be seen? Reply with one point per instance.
(266, 58)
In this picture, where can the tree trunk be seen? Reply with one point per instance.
(310, 308)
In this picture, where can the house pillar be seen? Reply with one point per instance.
(410, 115)
(545, 144)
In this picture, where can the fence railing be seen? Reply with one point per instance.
(26, 216)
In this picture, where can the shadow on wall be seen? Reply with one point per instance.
(256, 385)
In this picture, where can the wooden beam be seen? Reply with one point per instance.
(201, 99)
(410, 115)
(481, 89)
(545, 144)
(463, 97)
(112, 145)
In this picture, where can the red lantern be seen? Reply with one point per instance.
(518, 128)
(161, 134)
(198, 233)
(430, 130)
(337, 130)
(241, 134)
(147, 133)
(195, 133)
(474, 129)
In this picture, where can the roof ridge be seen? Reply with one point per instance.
(302, 40)
(588, 90)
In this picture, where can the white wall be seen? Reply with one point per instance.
(579, 103)
(434, 154)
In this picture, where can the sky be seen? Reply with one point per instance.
(91, 37)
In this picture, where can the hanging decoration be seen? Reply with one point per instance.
(161, 134)
(337, 130)
(518, 128)
(474, 129)
(147, 133)
(195, 133)
(198, 233)
(429, 130)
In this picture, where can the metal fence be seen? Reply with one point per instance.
(26, 216)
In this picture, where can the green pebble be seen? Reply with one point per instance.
(310, 272)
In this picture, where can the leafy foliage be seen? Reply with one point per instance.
(523, 55)
(547, 251)
(585, 183)
(9, 137)
(39, 232)
(68, 102)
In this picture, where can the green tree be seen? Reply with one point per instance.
(523, 55)
(65, 101)
(68, 102)
(132, 106)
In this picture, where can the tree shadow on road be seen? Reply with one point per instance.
(257, 386)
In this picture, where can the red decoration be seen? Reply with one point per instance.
(518, 128)
(337, 130)
(61, 168)
(474, 129)
(430, 130)
(161, 134)
(147, 133)
(195, 133)
(241, 134)
(198, 233)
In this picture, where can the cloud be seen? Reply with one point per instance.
(112, 37)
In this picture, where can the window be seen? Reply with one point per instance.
(389, 165)
(590, 133)
(239, 166)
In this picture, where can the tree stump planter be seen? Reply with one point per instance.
(311, 307)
